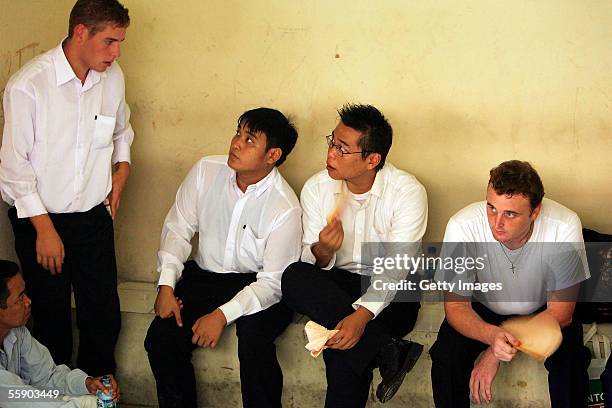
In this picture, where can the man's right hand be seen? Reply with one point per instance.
(49, 246)
(330, 241)
(94, 385)
(168, 305)
(503, 345)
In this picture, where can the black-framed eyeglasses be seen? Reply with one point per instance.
(341, 150)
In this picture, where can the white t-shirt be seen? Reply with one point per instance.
(553, 259)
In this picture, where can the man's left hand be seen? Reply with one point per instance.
(482, 377)
(95, 384)
(350, 329)
(208, 329)
(120, 176)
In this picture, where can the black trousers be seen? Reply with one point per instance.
(169, 347)
(327, 297)
(90, 269)
(453, 357)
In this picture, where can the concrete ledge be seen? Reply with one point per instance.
(520, 384)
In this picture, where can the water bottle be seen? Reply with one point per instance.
(106, 400)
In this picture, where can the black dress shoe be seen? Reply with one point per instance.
(394, 361)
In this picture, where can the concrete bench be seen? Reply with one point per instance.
(522, 383)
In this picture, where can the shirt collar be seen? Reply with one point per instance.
(379, 183)
(9, 341)
(377, 188)
(261, 186)
(64, 72)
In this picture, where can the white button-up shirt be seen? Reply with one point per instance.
(394, 211)
(60, 136)
(255, 231)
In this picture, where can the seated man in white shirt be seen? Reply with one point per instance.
(532, 248)
(248, 221)
(28, 375)
(331, 285)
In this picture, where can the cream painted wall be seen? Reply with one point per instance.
(465, 85)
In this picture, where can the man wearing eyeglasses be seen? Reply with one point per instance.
(331, 284)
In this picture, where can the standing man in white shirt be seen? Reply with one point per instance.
(331, 284)
(248, 222)
(65, 151)
(533, 248)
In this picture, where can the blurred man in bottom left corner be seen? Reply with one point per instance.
(28, 375)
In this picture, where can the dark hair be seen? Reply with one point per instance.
(8, 269)
(377, 134)
(279, 130)
(97, 14)
(517, 177)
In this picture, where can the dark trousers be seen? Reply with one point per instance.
(453, 357)
(91, 270)
(327, 297)
(169, 347)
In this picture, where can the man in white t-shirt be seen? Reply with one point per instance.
(533, 249)
(358, 199)
(247, 219)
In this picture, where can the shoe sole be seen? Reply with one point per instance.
(411, 359)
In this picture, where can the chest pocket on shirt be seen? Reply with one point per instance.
(252, 247)
(103, 133)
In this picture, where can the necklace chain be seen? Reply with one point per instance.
(512, 267)
(518, 258)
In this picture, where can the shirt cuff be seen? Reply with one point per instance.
(309, 257)
(29, 206)
(374, 307)
(121, 152)
(232, 311)
(168, 277)
(79, 383)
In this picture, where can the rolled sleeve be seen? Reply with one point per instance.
(123, 136)
(169, 275)
(30, 206)
(18, 181)
(313, 221)
(121, 153)
(180, 226)
(374, 307)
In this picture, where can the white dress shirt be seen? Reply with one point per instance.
(395, 210)
(60, 136)
(255, 231)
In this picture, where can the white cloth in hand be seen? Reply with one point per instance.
(317, 337)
